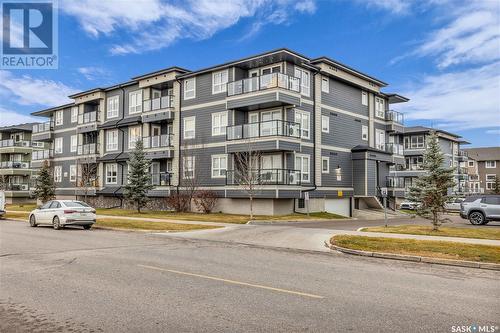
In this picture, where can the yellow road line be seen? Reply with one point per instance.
(233, 282)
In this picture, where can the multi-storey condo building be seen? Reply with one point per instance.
(323, 133)
(484, 168)
(414, 139)
(16, 170)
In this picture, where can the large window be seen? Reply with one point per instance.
(72, 173)
(380, 139)
(74, 143)
(59, 117)
(325, 124)
(219, 123)
(302, 117)
(112, 140)
(188, 167)
(74, 114)
(302, 164)
(112, 110)
(58, 145)
(490, 164)
(111, 173)
(58, 174)
(417, 142)
(305, 82)
(189, 127)
(219, 166)
(219, 82)
(379, 107)
(135, 101)
(190, 88)
(134, 135)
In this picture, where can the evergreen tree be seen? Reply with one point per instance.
(496, 186)
(431, 188)
(139, 177)
(45, 189)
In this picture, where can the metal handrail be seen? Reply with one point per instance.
(14, 165)
(394, 148)
(394, 116)
(395, 182)
(43, 127)
(12, 143)
(263, 177)
(161, 178)
(160, 103)
(38, 155)
(263, 129)
(89, 117)
(263, 82)
(164, 140)
(88, 149)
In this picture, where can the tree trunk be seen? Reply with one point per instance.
(138, 207)
(251, 208)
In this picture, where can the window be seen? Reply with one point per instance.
(364, 132)
(112, 140)
(74, 143)
(190, 88)
(135, 101)
(134, 135)
(219, 123)
(417, 142)
(112, 110)
(302, 117)
(58, 174)
(471, 164)
(302, 164)
(325, 84)
(189, 127)
(364, 98)
(74, 114)
(325, 164)
(305, 83)
(219, 166)
(325, 124)
(72, 173)
(489, 185)
(188, 167)
(407, 142)
(58, 145)
(59, 117)
(219, 82)
(379, 108)
(380, 139)
(490, 178)
(490, 164)
(111, 173)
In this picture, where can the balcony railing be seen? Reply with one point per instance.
(395, 182)
(17, 187)
(43, 127)
(14, 165)
(88, 117)
(161, 179)
(267, 81)
(39, 155)
(164, 102)
(394, 148)
(263, 129)
(263, 177)
(157, 141)
(12, 143)
(394, 116)
(88, 149)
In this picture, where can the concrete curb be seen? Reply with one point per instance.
(448, 262)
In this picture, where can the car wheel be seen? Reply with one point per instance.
(87, 227)
(33, 221)
(476, 218)
(56, 223)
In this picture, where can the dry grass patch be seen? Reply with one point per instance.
(434, 249)
(144, 225)
(480, 232)
(16, 215)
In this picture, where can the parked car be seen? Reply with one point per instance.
(481, 209)
(454, 204)
(409, 205)
(60, 213)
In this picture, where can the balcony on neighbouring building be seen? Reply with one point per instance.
(159, 146)
(263, 177)
(17, 186)
(14, 165)
(265, 135)
(268, 90)
(395, 182)
(462, 156)
(393, 148)
(43, 131)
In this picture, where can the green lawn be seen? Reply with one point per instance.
(478, 232)
(144, 225)
(434, 249)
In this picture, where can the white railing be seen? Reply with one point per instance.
(267, 81)
(160, 103)
(14, 165)
(157, 141)
(43, 127)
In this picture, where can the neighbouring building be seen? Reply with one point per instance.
(16, 170)
(483, 167)
(320, 130)
(414, 141)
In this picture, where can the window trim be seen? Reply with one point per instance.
(327, 159)
(184, 127)
(221, 125)
(138, 106)
(56, 140)
(220, 157)
(108, 141)
(304, 92)
(302, 157)
(110, 115)
(381, 102)
(490, 175)
(364, 131)
(71, 143)
(222, 84)
(325, 120)
(302, 129)
(193, 90)
(131, 145)
(58, 174)
(106, 177)
(492, 166)
(193, 166)
(469, 164)
(72, 167)
(59, 120)
(75, 119)
(364, 97)
(325, 84)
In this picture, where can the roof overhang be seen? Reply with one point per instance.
(395, 98)
(48, 112)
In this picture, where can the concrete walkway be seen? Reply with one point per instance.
(150, 219)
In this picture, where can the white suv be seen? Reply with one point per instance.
(59, 213)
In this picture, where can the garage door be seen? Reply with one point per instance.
(337, 206)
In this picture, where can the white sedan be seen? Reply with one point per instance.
(59, 213)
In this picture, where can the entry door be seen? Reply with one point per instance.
(271, 168)
(155, 136)
(155, 173)
(268, 126)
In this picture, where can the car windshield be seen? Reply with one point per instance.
(470, 199)
(76, 204)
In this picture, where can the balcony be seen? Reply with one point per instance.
(43, 131)
(161, 179)
(265, 135)
(17, 186)
(462, 156)
(268, 90)
(160, 146)
(393, 148)
(259, 177)
(158, 109)
(396, 120)
(39, 156)
(87, 152)
(395, 182)
(10, 146)
(14, 165)
(87, 122)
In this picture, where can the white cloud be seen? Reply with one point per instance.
(92, 73)
(495, 131)
(26, 90)
(399, 7)
(459, 100)
(154, 24)
(8, 118)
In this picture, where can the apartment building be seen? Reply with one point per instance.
(16, 170)
(484, 168)
(320, 135)
(414, 140)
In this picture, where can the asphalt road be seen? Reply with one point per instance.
(92, 281)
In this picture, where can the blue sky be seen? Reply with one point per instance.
(443, 55)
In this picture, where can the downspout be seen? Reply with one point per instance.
(180, 137)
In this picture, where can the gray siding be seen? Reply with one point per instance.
(204, 90)
(345, 97)
(342, 159)
(345, 130)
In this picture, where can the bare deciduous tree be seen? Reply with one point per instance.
(88, 178)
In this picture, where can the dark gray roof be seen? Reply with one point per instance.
(484, 154)
(16, 128)
(423, 129)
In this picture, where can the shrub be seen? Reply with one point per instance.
(178, 201)
(205, 201)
